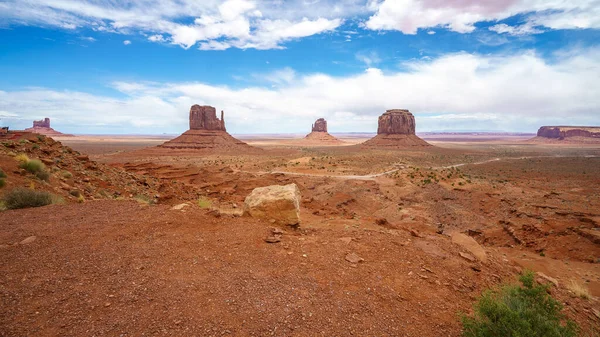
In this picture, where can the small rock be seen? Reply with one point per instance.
(28, 240)
(346, 240)
(179, 207)
(467, 257)
(381, 222)
(548, 278)
(415, 233)
(354, 258)
(273, 239)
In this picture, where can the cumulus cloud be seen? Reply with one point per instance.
(126, 42)
(526, 29)
(213, 24)
(460, 16)
(461, 91)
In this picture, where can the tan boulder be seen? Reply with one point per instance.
(469, 244)
(278, 204)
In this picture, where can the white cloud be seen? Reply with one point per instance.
(368, 58)
(126, 42)
(156, 38)
(526, 29)
(459, 91)
(214, 24)
(88, 38)
(460, 16)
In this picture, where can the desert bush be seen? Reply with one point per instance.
(515, 310)
(22, 158)
(204, 202)
(2, 174)
(32, 166)
(24, 198)
(144, 199)
(578, 289)
(67, 174)
(43, 175)
(2, 182)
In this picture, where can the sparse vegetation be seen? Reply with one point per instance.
(578, 289)
(67, 174)
(144, 199)
(24, 198)
(515, 310)
(33, 166)
(204, 202)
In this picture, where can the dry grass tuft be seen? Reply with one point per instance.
(578, 289)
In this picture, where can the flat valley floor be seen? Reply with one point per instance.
(374, 254)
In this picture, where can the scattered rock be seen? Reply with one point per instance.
(354, 258)
(273, 239)
(346, 240)
(381, 222)
(276, 202)
(415, 233)
(28, 240)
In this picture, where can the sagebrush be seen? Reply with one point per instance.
(515, 310)
(21, 197)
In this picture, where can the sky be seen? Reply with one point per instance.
(275, 66)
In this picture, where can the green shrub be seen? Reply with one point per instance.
(2, 174)
(43, 175)
(515, 310)
(204, 202)
(2, 182)
(33, 166)
(23, 198)
(67, 174)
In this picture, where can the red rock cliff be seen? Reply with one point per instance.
(320, 125)
(396, 122)
(205, 118)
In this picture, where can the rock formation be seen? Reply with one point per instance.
(277, 204)
(206, 132)
(43, 127)
(396, 128)
(205, 118)
(320, 125)
(575, 134)
(44, 123)
(319, 135)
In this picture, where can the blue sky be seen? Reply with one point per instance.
(135, 67)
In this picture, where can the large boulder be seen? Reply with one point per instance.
(469, 244)
(276, 203)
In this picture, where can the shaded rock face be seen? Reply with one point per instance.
(396, 122)
(277, 204)
(562, 132)
(45, 123)
(320, 125)
(205, 118)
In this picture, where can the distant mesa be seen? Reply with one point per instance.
(568, 134)
(319, 135)
(396, 129)
(206, 132)
(43, 127)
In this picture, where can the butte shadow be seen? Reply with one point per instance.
(396, 130)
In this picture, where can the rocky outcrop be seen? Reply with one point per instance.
(320, 125)
(43, 127)
(396, 122)
(277, 204)
(563, 132)
(44, 123)
(206, 132)
(396, 129)
(205, 118)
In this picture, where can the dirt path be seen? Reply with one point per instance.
(375, 175)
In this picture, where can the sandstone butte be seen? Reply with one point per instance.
(206, 132)
(319, 134)
(396, 128)
(571, 134)
(43, 127)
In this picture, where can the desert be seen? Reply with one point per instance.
(372, 168)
